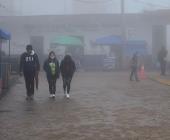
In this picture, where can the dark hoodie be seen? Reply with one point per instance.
(67, 67)
(47, 68)
(29, 63)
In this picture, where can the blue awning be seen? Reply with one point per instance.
(109, 40)
(136, 43)
(134, 46)
(4, 35)
(130, 47)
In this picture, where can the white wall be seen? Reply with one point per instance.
(58, 7)
(7, 8)
(92, 6)
(21, 37)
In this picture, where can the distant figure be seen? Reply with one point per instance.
(134, 67)
(52, 69)
(29, 65)
(67, 68)
(162, 59)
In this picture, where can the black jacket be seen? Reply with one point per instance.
(67, 68)
(134, 62)
(47, 68)
(29, 63)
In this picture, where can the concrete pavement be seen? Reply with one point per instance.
(165, 80)
(103, 106)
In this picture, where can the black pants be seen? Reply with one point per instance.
(163, 67)
(134, 73)
(52, 85)
(66, 84)
(29, 82)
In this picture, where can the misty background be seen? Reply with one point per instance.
(91, 30)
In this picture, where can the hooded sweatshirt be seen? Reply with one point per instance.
(29, 63)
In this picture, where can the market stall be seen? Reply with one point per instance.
(4, 65)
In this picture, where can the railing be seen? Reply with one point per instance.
(5, 70)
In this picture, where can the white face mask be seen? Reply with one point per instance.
(32, 53)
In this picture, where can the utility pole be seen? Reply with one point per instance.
(122, 7)
(123, 32)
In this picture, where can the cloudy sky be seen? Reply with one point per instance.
(53, 7)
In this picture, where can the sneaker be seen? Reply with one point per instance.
(68, 95)
(30, 98)
(27, 98)
(53, 95)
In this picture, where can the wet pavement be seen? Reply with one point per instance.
(103, 106)
(165, 80)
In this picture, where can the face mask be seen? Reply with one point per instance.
(32, 52)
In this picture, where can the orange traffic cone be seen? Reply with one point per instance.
(141, 73)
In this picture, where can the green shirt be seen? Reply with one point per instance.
(53, 68)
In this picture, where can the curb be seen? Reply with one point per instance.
(161, 81)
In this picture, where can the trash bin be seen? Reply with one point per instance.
(5, 70)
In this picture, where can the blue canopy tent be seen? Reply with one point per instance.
(109, 40)
(133, 46)
(129, 48)
(116, 47)
(120, 48)
(4, 36)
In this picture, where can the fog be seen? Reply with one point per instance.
(84, 69)
(67, 7)
(105, 29)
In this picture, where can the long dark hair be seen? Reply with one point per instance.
(67, 58)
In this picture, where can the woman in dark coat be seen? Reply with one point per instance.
(52, 69)
(67, 68)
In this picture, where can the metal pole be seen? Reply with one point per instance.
(122, 7)
(0, 60)
(123, 31)
(9, 48)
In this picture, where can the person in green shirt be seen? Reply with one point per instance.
(52, 69)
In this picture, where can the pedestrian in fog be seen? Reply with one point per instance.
(67, 68)
(134, 67)
(29, 65)
(162, 59)
(52, 69)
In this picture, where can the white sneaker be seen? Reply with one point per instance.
(67, 95)
(53, 95)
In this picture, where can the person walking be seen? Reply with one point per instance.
(134, 67)
(29, 65)
(67, 68)
(52, 69)
(162, 60)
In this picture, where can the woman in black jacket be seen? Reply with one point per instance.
(67, 68)
(52, 69)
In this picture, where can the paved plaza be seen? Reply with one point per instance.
(103, 106)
